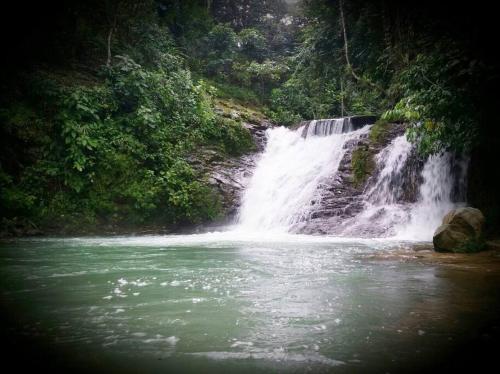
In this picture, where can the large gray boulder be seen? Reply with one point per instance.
(461, 231)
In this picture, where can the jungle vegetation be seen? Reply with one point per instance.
(104, 103)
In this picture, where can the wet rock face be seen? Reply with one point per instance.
(229, 175)
(339, 199)
(461, 231)
(358, 122)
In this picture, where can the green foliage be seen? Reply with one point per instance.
(261, 77)
(187, 198)
(147, 42)
(118, 150)
(253, 45)
(362, 165)
(219, 50)
(291, 102)
(436, 103)
(379, 131)
(14, 201)
(284, 117)
(234, 110)
(321, 85)
(398, 64)
(243, 61)
(237, 139)
(244, 95)
(247, 13)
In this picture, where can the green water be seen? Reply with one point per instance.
(212, 304)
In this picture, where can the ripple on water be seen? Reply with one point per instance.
(73, 274)
(172, 340)
(276, 355)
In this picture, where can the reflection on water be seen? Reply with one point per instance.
(201, 303)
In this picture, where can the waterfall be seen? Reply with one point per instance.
(284, 185)
(325, 127)
(388, 186)
(388, 211)
(297, 186)
(383, 205)
(435, 196)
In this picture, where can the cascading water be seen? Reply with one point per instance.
(387, 187)
(285, 181)
(435, 197)
(325, 127)
(386, 211)
(292, 175)
(383, 206)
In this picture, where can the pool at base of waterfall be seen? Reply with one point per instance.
(229, 302)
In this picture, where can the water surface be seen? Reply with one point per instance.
(217, 302)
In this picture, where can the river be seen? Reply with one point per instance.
(224, 302)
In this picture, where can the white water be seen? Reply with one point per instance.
(287, 176)
(286, 185)
(326, 127)
(435, 199)
(384, 205)
(388, 184)
(383, 210)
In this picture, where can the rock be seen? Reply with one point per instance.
(461, 231)
(229, 175)
(358, 122)
(340, 200)
(448, 238)
(468, 218)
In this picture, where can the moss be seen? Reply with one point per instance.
(379, 131)
(473, 245)
(227, 91)
(248, 114)
(362, 165)
(237, 139)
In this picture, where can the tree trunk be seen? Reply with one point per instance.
(110, 37)
(341, 97)
(346, 50)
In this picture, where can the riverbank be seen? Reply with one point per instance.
(487, 260)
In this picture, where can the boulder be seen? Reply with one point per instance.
(461, 231)
(358, 122)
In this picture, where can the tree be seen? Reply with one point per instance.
(346, 50)
(253, 45)
(119, 13)
(247, 13)
(219, 49)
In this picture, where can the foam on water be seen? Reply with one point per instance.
(271, 356)
(288, 174)
(222, 239)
